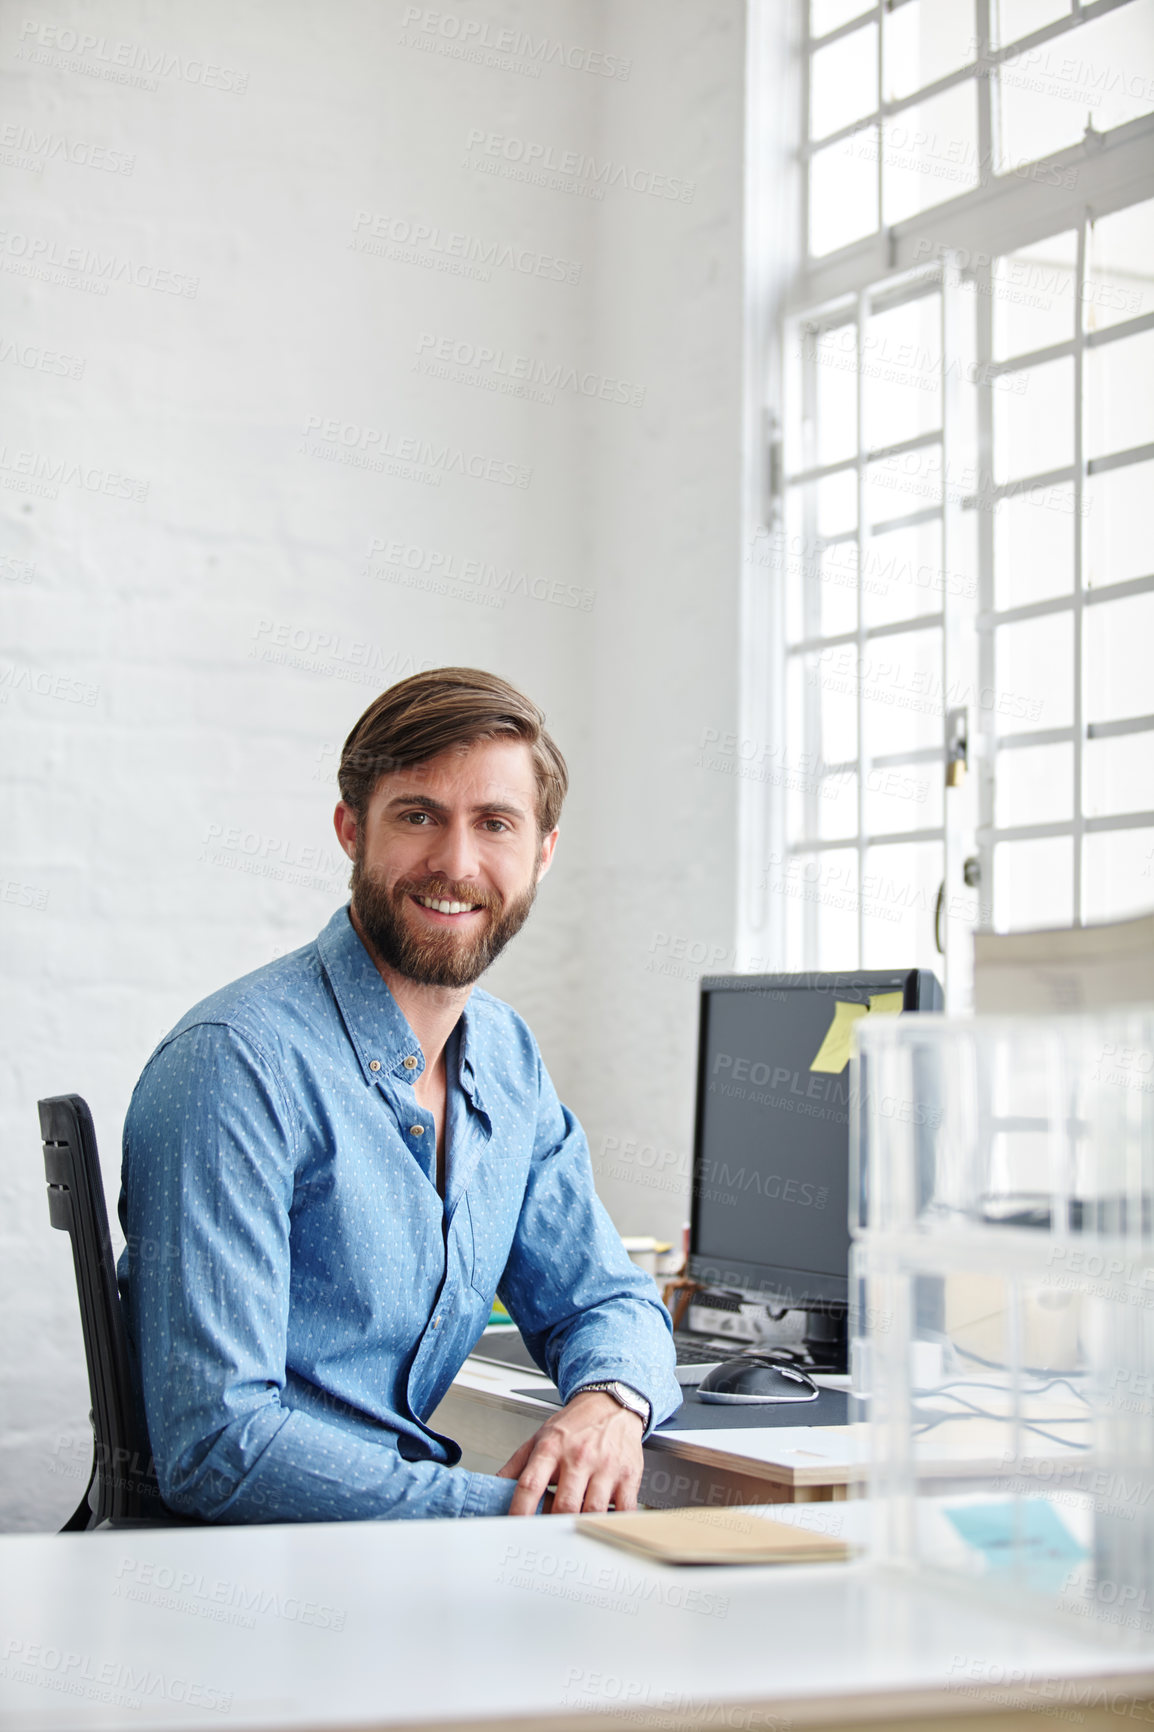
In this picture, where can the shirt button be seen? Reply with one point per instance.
(410, 1063)
(374, 1064)
(416, 1130)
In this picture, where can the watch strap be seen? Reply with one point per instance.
(626, 1396)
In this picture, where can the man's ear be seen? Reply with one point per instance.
(345, 825)
(545, 858)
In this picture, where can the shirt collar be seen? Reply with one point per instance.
(469, 1049)
(378, 1029)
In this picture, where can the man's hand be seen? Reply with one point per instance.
(591, 1450)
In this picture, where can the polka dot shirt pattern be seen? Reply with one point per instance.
(298, 1294)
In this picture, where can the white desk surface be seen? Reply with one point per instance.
(514, 1623)
(805, 1455)
(811, 1454)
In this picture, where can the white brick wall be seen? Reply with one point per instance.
(219, 432)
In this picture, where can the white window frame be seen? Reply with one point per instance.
(936, 248)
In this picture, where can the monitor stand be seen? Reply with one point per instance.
(826, 1340)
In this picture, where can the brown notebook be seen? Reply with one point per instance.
(713, 1536)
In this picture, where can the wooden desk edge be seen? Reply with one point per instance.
(922, 1709)
(751, 1467)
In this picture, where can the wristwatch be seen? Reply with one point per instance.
(621, 1392)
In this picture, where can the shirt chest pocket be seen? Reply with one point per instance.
(489, 1249)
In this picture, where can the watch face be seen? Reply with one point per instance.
(626, 1397)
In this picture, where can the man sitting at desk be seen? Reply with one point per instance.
(331, 1165)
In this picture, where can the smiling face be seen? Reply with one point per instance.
(447, 860)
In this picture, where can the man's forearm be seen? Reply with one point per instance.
(280, 1466)
(623, 1339)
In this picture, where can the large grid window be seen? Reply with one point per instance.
(966, 535)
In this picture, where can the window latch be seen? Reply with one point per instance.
(957, 747)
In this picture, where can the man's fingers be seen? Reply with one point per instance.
(524, 1502)
(599, 1492)
(571, 1483)
(625, 1492)
(591, 1451)
(512, 1468)
(533, 1479)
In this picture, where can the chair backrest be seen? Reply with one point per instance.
(123, 1486)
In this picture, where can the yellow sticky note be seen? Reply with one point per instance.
(885, 1003)
(833, 1053)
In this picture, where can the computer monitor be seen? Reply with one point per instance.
(770, 1206)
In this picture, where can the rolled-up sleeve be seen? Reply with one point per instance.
(587, 1312)
(209, 1167)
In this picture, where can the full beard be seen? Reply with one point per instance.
(434, 958)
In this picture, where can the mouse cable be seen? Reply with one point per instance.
(1001, 1388)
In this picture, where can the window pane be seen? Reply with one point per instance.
(1034, 785)
(822, 887)
(1034, 423)
(1119, 532)
(833, 356)
(837, 885)
(1033, 884)
(899, 892)
(1034, 546)
(1101, 72)
(903, 797)
(1010, 19)
(843, 85)
(901, 485)
(838, 580)
(1035, 675)
(833, 675)
(1118, 874)
(827, 15)
(1120, 267)
(785, 568)
(837, 503)
(902, 372)
(798, 695)
(843, 192)
(903, 576)
(837, 807)
(803, 599)
(1118, 775)
(1120, 395)
(923, 41)
(1033, 296)
(902, 692)
(801, 795)
(930, 153)
(1118, 636)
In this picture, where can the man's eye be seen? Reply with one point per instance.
(415, 817)
(495, 824)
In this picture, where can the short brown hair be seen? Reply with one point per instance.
(427, 713)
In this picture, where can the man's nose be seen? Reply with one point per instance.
(453, 851)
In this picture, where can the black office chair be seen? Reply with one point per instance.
(122, 1489)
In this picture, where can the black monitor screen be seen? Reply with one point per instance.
(771, 1164)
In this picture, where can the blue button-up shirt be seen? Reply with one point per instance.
(299, 1295)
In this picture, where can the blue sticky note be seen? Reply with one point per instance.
(1028, 1535)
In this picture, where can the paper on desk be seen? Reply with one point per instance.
(713, 1536)
(1084, 968)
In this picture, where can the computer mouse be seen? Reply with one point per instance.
(753, 1378)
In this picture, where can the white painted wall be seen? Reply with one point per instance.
(193, 615)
